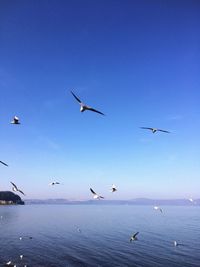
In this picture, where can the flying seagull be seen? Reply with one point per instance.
(28, 237)
(15, 188)
(113, 189)
(85, 107)
(158, 208)
(134, 237)
(177, 244)
(10, 263)
(15, 120)
(155, 129)
(78, 229)
(54, 183)
(95, 194)
(3, 163)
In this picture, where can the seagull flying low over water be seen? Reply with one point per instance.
(134, 237)
(27, 237)
(177, 244)
(155, 129)
(113, 189)
(158, 208)
(10, 264)
(95, 194)
(54, 183)
(78, 229)
(15, 120)
(15, 189)
(85, 107)
(3, 163)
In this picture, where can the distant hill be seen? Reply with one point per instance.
(137, 201)
(9, 198)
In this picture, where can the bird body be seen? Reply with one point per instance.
(84, 107)
(158, 208)
(113, 189)
(54, 183)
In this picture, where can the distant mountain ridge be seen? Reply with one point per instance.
(136, 201)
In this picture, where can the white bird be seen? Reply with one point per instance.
(191, 200)
(95, 194)
(10, 263)
(134, 237)
(54, 183)
(113, 189)
(16, 189)
(28, 237)
(78, 229)
(21, 256)
(155, 129)
(85, 107)
(15, 120)
(158, 208)
(3, 163)
(177, 244)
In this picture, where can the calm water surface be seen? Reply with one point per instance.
(104, 237)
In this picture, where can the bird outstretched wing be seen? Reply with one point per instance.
(3, 163)
(76, 97)
(94, 110)
(164, 131)
(148, 128)
(92, 191)
(134, 236)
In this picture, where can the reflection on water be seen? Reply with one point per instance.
(83, 235)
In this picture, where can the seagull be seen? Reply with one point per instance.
(191, 200)
(15, 188)
(15, 120)
(85, 107)
(134, 237)
(78, 229)
(21, 256)
(177, 244)
(95, 195)
(3, 163)
(158, 208)
(54, 183)
(154, 129)
(28, 237)
(113, 189)
(10, 263)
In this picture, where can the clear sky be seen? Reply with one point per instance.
(136, 61)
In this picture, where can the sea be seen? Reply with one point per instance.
(99, 236)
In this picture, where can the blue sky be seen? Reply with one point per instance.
(136, 61)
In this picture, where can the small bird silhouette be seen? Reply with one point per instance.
(134, 237)
(154, 130)
(16, 189)
(85, 107)
(15, 120)
(96, 196)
